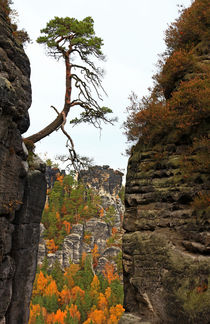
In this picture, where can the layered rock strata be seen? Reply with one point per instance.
(166, 246)
(22, 191)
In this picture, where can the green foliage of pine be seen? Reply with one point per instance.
(80, 36)
(116, 292)
(50, 303)
(103, 282)
(57, 275)
(70, 320)
(109, 217)
(84, 277)
(40, 319)
(38, 300)
(118, 261)
(44, 267)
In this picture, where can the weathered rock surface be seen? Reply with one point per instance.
(166, 255)
(102, 178)
(107, 183)
(74, 244)
(22, 192)
(166, 244)
(42, 252)
(131, 319)
(25, 246)
(51, 173)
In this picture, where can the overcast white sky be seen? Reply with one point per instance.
(133, 33)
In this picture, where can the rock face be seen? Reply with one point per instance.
(107, 183)
(103, 178)
(166, 246)
(51, 173)
(75, 244)
(22, 192)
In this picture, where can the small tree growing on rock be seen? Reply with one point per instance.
(75, 42)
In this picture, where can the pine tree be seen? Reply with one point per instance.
(75, 43)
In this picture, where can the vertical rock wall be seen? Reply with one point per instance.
(166, 247)
(22, 192)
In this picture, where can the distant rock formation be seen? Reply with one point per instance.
(22, 191)
(74, 244)
(103, 179)
(107, 183)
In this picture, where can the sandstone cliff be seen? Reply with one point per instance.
(166, 246)
(22, 191)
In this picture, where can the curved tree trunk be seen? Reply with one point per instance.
(47, 130)
(63, 114)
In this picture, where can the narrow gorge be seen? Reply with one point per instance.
(160, 229)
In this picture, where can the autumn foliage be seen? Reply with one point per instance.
(190, 28)
(95, 255)
(51, 246)
(110, 273)
(21, 36)
(177, 108)
(83, 297)
(69, 203)
(178, 104)
(76, 294)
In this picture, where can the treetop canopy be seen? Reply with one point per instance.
(70, 34)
